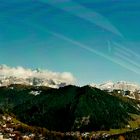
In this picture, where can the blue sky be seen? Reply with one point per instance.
(95, 40)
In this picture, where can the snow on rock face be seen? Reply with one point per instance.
(127, 89)
(107, 86)
(121, 85)
(20, 75)
(35, 93)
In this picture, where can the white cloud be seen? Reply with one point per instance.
(21, 72)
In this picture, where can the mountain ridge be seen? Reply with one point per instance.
(120, 85)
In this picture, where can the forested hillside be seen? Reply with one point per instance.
(69, 108)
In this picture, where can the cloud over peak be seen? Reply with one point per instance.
(20, 72)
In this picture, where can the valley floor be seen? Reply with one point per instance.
(12, 129)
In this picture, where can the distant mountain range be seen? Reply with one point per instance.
(123, 88)
(34, 81)
(37, 77)
(19, 75)
(120, 85)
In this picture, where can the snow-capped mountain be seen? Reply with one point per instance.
(121, 85)
(127, 89)
(37, 77)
